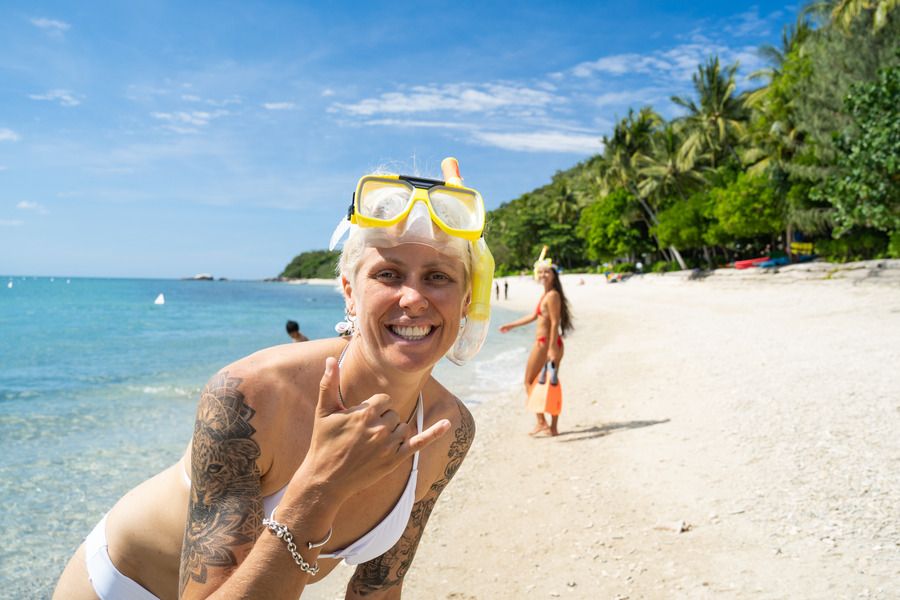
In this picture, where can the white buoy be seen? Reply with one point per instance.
(9, 284)
(161, 299)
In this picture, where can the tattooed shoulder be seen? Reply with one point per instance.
(225, 508)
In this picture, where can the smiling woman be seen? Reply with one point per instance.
(346, 470)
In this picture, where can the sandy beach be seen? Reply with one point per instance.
(732, 437)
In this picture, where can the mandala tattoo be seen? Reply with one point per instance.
(389, 569)
(225, 510)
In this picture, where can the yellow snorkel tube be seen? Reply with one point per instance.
(543, 262)
(478, 317)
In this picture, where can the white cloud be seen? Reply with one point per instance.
(417, 123)
(327, 92)
(678, 63)
(187, 122)
(8, 135)
(279, 105)
(545, 141)
(11, 222)
(751, 23)
(32, 206)
(64, 97)
(51, 26)
(620, 64)
(639, 96)
(451, 97)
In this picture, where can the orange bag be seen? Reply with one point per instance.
(545, 398)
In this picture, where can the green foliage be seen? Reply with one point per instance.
(865, 187)
(683, 224)
(835, 59)
(747, 208)
(893, 249)
(605, 232)
(854, 245)
(662, 266)
(316, 264)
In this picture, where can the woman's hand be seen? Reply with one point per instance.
(353, 448)
(505, 328)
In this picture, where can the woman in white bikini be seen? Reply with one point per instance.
(342, 466)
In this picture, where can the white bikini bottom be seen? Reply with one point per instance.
(109, 583)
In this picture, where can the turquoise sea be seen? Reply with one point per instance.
(98, 388)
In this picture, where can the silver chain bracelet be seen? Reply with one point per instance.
(283, 533)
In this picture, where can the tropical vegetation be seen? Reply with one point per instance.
(812, 154)
(809, 153)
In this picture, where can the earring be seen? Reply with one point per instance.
(347, 327)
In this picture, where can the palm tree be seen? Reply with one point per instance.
(564, 208)
(630, 143)
(775, 137)
(715, 121)
(845, 11)
(666, 174)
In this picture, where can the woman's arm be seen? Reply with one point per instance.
(382, 577)
(226, 554)
(518, 322)
(554, 309)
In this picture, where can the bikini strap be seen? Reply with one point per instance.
(420, 418)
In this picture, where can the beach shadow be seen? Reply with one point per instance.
(596, 431)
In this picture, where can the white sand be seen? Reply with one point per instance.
(764, 417)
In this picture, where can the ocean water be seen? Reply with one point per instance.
(98, 388)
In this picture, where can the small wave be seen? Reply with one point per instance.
(164, 390)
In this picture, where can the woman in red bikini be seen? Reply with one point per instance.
(553, 322)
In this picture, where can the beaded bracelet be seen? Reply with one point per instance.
(283, 533)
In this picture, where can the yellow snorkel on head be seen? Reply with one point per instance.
(478, 317)
(543, 262)
(389, 210)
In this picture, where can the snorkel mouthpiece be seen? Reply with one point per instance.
(478, 318)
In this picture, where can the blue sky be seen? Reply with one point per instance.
(163, 139)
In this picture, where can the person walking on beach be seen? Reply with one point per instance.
(337, 447)
(553, 322)
(505, 290)
(497, 290)
(293, 330)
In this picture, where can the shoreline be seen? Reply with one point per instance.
(717, 438)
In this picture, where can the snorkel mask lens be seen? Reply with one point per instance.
(385, 200)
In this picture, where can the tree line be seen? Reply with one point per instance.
(812, 154)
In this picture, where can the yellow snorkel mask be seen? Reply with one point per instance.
(390, 210)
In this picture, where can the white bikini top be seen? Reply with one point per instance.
(383, 536)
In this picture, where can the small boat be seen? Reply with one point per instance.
(9, 284)
(161, 299)
(775, 262)
(751, 262)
